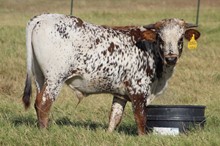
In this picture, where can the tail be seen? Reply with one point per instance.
(27, 88)
(29, 28)
(27, 92)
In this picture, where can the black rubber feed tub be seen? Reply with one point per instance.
(173, 119)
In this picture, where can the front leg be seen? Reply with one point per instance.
(116, 114)
(140, 113)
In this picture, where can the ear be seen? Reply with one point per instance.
(149, 35)
(189, 33)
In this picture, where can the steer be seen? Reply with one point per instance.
(131, 63)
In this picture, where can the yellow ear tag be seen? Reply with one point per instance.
(192, 44)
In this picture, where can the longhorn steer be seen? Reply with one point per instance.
(131, 63)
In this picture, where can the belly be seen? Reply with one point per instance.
(96, 85)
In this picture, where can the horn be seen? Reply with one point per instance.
(149, 26)
(190, 25)
(157, 25)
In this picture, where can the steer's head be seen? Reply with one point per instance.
(168, 35)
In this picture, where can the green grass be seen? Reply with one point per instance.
(195, 81)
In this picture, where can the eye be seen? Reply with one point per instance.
(161, 42)
(180, 43)
(181, 40)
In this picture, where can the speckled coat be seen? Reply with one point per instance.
(92, 59)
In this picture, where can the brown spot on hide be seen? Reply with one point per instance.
(73, 71)
(97, 41)
(111, 48)
(138, 81)
(127, 83)
(149, 35)
(137, 34)
(79, 23)
(114, 64)
(104, 53)
(99, 67)
(132, 31)
(149, 71)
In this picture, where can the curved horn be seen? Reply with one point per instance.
(149, 26)
(190, 25)
(157, 25)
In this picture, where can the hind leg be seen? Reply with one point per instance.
(39, 77)
(116, 114)
(43, 103)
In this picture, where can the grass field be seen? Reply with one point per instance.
(196, 80)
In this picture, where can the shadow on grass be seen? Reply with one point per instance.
(65, 121)
(27, 121)
(126, 129)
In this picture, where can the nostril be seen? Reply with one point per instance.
(171, 60)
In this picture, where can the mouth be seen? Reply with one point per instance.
(170, 59)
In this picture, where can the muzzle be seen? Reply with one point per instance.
(170, 59)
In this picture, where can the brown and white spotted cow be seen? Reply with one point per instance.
(133, 64)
